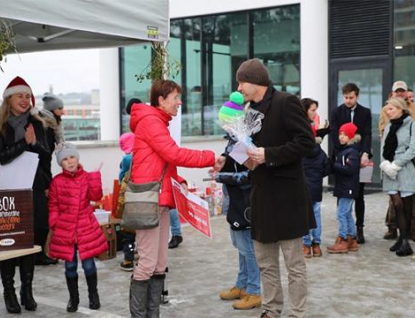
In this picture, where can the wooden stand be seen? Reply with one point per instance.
(17, 253)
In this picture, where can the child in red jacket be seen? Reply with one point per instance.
(75, 228)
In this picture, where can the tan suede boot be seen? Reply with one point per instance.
(248, 302)
(307, 251)
(232, 294)
(340, 246)
(352, 244)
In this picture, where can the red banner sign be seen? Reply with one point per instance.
(193, 209)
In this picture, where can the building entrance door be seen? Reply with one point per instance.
(374, 81)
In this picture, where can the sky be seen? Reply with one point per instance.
(68, 71)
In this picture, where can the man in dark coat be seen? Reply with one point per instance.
(352, 111)
(280, 203)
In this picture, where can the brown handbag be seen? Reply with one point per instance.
(141, 204)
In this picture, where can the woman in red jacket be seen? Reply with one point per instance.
(74, 226)
(153, 150)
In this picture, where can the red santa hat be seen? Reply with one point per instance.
(18, 85)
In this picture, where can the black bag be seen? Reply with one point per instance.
(141, 204)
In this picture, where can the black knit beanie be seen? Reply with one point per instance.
(254, 72)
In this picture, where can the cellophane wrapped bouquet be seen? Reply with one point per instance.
(239, 124)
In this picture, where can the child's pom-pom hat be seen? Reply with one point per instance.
(232, 108)
(64, 150)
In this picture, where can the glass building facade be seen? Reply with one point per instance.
(209, 50)
(404, 42)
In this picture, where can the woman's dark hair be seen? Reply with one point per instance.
(307, 102)
(130, 104)
(162, 88)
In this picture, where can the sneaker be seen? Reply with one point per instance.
(127, 266)
(247, 302)
(316, 250)
(307, 251)
(233, 293)
(175, 241)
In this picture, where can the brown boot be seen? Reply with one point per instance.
(232, 293)
(316, 250)
(339, 247)
(307, 251)
(352, 244)
(391, 234)
(248, 302)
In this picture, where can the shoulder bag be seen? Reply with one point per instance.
(141, 204)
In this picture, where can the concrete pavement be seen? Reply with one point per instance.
(372, 282)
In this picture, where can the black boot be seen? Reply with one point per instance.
(72, 283)
(92, 281)
(7, 269)
(175, 241)
(42, 259)
(27, 268)
(405, 249)
(397, 245)
(155, 290)
(360, 235)
(138, 298)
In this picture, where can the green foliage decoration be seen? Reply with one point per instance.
(161, 65)
(7, 42)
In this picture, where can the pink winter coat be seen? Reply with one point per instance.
(154, 147)
(71, 216)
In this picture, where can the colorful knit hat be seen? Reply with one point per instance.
(232, 108)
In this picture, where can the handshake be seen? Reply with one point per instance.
(390, 168)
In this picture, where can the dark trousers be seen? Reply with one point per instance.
(359, 206)
(390, 219)
(128, 243)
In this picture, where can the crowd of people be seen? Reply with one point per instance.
(274, 197)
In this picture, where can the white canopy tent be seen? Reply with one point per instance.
(73, 24)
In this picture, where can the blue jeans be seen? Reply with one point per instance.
(87, 264)
(314, 235)
(249, 274)
(345, 218)
(175, 225)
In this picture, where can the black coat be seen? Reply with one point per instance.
(362, 119)
(280, 202)
(346, 172)
(10, 150)
(316, 166)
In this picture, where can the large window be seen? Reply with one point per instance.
(210, 49)
(404, 41)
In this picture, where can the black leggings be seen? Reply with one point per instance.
(403, 208)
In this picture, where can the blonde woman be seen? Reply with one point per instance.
(398, 149)
(21, 131)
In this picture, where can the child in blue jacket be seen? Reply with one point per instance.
(346, 189)
(248, 283)
(316, 166)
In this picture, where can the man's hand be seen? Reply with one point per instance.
(257, 155)
(364, 160)
(250, 164)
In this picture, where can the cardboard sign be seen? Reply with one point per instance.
(16, 219)
(193, 209)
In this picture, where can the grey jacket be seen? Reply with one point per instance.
(405, 180)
